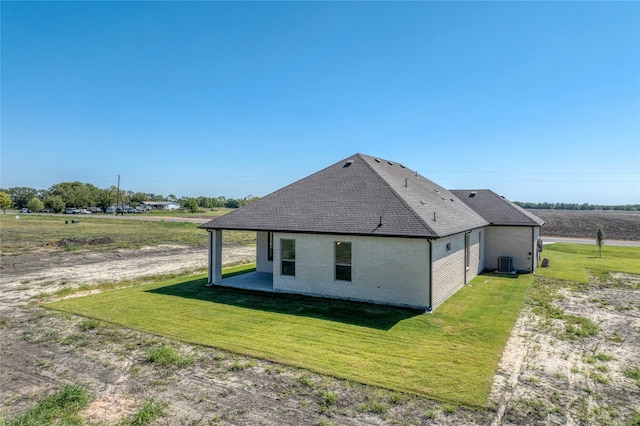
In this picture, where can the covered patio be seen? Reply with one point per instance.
(259, 281)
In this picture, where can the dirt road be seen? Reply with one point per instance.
(543, 379)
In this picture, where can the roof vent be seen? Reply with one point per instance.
(377, 160)
(402, 166)
(436, 189)
(347, 164)
(473, 194)
(390, 163)
(423, 202)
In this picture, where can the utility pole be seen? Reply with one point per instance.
(118, 196)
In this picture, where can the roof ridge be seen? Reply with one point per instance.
(514, 206)
(397, 195)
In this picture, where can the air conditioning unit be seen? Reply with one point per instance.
(505, 265)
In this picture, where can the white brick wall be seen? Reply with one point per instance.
(518, 242)
(450, 272)
(384, 270)
(263, 264)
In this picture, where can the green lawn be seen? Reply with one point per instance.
(450, 355)
(575, 262)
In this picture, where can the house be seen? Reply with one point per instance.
(160, 205)
(373, 230)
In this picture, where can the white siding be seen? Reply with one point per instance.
(384, 270)
(263, 264)
(450, 272)
(518, 242)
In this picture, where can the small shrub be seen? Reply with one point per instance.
(328, 399)
(89, 324)
(166, 356)
(635, 419)
(375, 407)
(238, 366)
(579, 327)
(632, 373)
(61, 407)
(599, 378)
(396, 399)
(603, 357)
(149, 413)
(449, 408)
(306, 380)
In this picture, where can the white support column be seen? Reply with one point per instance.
(215, 257)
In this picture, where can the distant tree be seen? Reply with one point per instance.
(600, 240)
(20, 195)
(106, 198)
(76, 194)
(5, 201)
(249, 199)
(172, 197)
(191, 204)
(55, 203)
(35, 204)
(232, 203)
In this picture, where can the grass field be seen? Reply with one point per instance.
(450, 355)
(575, 262)
(35, 231)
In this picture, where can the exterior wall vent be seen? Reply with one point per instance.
(505, 265)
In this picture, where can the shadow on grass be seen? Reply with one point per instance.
(502, 274)
(355, 313)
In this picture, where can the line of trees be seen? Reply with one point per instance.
(576, 206)
(82, 195)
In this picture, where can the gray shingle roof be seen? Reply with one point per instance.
(359, 195)
(496, 209)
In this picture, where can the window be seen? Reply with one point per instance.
(269, 245)
(288, 257)
(448, 247)
(480, 245)
(343, 261)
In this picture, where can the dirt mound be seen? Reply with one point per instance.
(67, 242)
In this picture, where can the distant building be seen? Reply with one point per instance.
(160, 205)
(373, 230)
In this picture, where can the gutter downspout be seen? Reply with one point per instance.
(534, 250)
(430, 308)
(467, 254)
(210, 259)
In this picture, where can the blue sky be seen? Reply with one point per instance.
(539, 101)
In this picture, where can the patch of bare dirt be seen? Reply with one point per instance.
(543, 379)
(548, 378)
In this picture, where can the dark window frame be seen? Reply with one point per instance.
(288, 257)
(342, 264)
